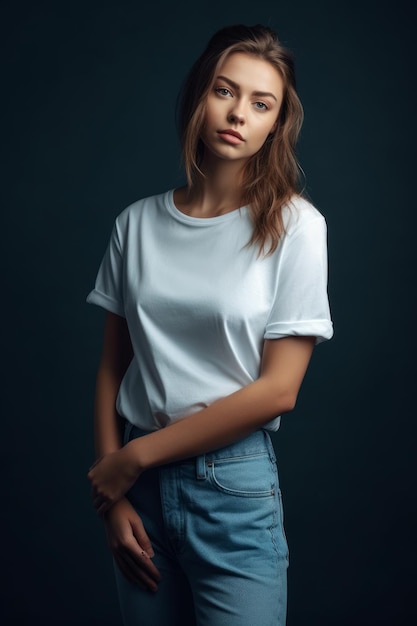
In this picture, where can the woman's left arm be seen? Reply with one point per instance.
(284, 363)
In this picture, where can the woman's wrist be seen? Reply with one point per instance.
(134, 458)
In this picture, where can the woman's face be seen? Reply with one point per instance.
(242, 107)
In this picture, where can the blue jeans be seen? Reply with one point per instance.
(216, 526)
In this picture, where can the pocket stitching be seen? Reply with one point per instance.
(266, 493)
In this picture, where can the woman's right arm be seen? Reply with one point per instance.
(115, 358)
(126, 536)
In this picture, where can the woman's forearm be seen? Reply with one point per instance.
(234, 416)
(107, 436)
(116, 356)
(223, 422)
(284, 363)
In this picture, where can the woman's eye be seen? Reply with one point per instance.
(261, 106)
(223, 91)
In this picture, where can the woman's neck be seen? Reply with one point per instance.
(219, 192)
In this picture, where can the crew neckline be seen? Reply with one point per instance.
(199, 221)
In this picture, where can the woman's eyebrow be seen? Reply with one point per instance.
(262, 94)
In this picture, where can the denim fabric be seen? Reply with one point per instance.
(216, 526)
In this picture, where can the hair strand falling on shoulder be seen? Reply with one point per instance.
(271, 176)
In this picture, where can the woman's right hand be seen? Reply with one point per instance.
(130, 545)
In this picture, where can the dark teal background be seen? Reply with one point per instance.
(88, 98)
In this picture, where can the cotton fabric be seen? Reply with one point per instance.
(199, 303)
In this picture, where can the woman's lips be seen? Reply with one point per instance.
(231, 136)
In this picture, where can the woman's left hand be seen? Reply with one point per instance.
(111, 476)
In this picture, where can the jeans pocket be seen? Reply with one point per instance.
(249, 476)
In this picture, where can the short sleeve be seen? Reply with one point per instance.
(108, 290)
(301, 305)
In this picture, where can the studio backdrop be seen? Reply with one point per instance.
(88, 97)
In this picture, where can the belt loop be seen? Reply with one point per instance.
(200, 467)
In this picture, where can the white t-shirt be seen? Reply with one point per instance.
(198, 303)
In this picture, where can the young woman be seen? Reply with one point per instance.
(215, 293)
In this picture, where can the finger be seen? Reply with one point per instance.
(137, 569)
(102, 506)
(141, 536)
(94, 464)
(139, 558)
(102, 509)
(97, 502)
(144, 569)
(128, 572)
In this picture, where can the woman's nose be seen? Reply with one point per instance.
(236, 116)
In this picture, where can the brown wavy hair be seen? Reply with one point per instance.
(272, 175)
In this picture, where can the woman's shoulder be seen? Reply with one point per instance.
(147, 204)
(298, 212)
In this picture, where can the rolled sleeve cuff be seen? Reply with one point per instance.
(322, 330)
(106, 302)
